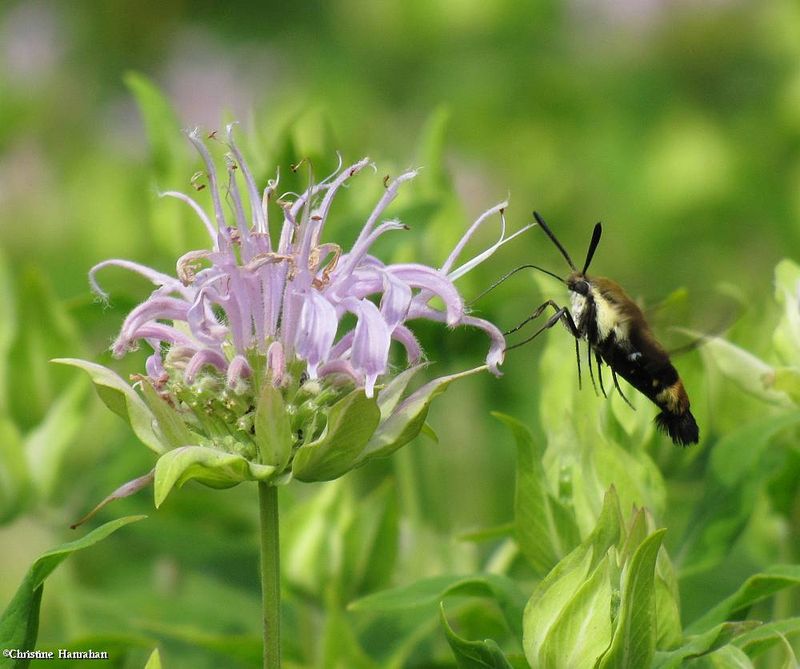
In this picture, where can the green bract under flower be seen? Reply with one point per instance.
(256, 371)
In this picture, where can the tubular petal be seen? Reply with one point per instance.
(202, 358)
(316, 330)
(371, 339)
(152, 275)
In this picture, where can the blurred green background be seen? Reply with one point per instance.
(676, 123)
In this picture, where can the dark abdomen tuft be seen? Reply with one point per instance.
(681, 427)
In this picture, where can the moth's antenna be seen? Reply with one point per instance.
(598, 230)
(509, 275)
(550, 234)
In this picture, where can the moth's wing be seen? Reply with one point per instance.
(685, 319)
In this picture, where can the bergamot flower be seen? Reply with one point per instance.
(270, 349)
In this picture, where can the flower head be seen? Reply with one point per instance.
(288, 309)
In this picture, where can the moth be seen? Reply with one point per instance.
(617, 334)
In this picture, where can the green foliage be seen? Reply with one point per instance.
(154, 661)
(429, 592)
(210, 466)
(169, 163)
(19, 623)
(162, 127)
(474, 654)
(8, 329)
(737, 472)
(172, 429)
(273, 432)
(755, 589)
(43, 416)
(544, 527)
(122, 400)
(634, 640)
(406, 419)
(598, 605)
(351, 422)
(15, 476)
(333, 541)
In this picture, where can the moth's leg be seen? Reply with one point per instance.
(562, 314)
(619, 390)
(538, 312)
(570, 324)
(589, 362)
(599, 362)
(578, 360)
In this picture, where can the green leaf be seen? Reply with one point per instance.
(636, 478)
(170, 226)
(429, 432)
(15, 483)
(701, 644)
(351, 422)
(737, 470)
(214, 468)
(273, 429)
(314, 135)
(407, 419)
(787, 380)
(727, 657)
(473, 654)
(8, 328)
(736, 456)
(389, 397)
(46, 446)
(582, 631)
(428, 592)
(49, 331)
(311, 539)
(751, 374)
(786, 338)
(488, 533)
(545, 530)
(19, 623)
(434, 178)
(668, 614)
(760, 638)
(243, 649)
(608, 530)
(371, 542)
(788, 659)
(550, 597)
(122, 400)
(161, 124)
(125, 490)
(634, 642)
(636, 534)
(173, 429)
(340, 646)
(154, 661)
(754, 589)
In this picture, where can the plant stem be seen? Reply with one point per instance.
(270, 574)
